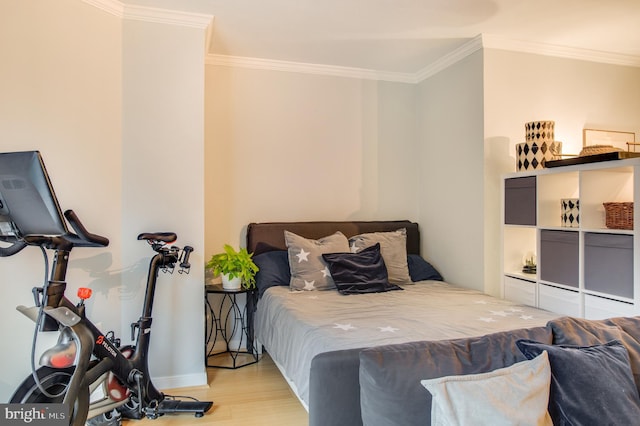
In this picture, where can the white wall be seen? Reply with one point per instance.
(60, 79)
(575, 94)
(450, 189)
(116, 107)
(163, 176)
(284, 146)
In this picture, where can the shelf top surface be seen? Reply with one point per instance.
(570, 229)
(601, 165)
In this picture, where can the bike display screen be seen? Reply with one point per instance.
(28, 205)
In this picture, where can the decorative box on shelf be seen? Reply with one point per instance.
(570, 216)
(539, 147)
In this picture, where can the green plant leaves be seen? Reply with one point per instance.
(235, 264)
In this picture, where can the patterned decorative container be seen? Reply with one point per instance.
(570, 212)
(539, 147)
(540, 131)
(534, 155)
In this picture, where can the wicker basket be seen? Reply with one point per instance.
(619, 215)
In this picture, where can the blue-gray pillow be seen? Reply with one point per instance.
(590, 385)
(274, 270)
(586, 332)
(421, 270)
(362, 272)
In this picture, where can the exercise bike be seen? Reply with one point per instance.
(99, 381)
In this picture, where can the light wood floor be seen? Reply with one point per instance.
(254, 395)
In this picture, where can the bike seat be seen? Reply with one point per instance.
(166, 237)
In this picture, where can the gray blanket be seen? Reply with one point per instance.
(296, 326)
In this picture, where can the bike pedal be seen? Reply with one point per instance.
(112, 418)
(198, 408)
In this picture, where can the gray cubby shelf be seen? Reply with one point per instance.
(586, 270)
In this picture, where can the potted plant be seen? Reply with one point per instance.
(235, 267)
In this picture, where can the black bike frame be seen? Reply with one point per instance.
(133, 372)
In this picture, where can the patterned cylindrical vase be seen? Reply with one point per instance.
(534, 155)
(539, 146)
(540, 131)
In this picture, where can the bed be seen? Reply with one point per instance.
(315, 337)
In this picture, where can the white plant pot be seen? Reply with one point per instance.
(231, 284)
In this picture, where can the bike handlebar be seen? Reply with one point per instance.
(12, 249)
(91, 240)
(185, 260)
(85, 238)
(67, 241)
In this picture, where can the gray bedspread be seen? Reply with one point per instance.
(296, 326)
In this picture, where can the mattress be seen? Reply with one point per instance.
(294, 327)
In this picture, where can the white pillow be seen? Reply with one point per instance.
(515, 395)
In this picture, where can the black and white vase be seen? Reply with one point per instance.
(539, 147)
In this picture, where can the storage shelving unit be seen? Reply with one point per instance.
(587, 271)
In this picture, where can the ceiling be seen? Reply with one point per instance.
(405, 36)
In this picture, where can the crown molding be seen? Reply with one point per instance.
(165, 16)
(300, 67)
(501, 43)
(203, 21)
(485, 41)
(479, 42)
(450, 58)
(113, 7)
(152, 14)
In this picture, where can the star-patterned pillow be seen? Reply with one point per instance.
(393, 246)
(309, 271)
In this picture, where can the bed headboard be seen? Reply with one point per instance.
(268, 236)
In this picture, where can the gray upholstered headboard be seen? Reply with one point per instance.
(268, 236)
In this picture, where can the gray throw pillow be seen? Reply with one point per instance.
(585, 332)
(590, 385)
(309, 271)
(393, 246)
